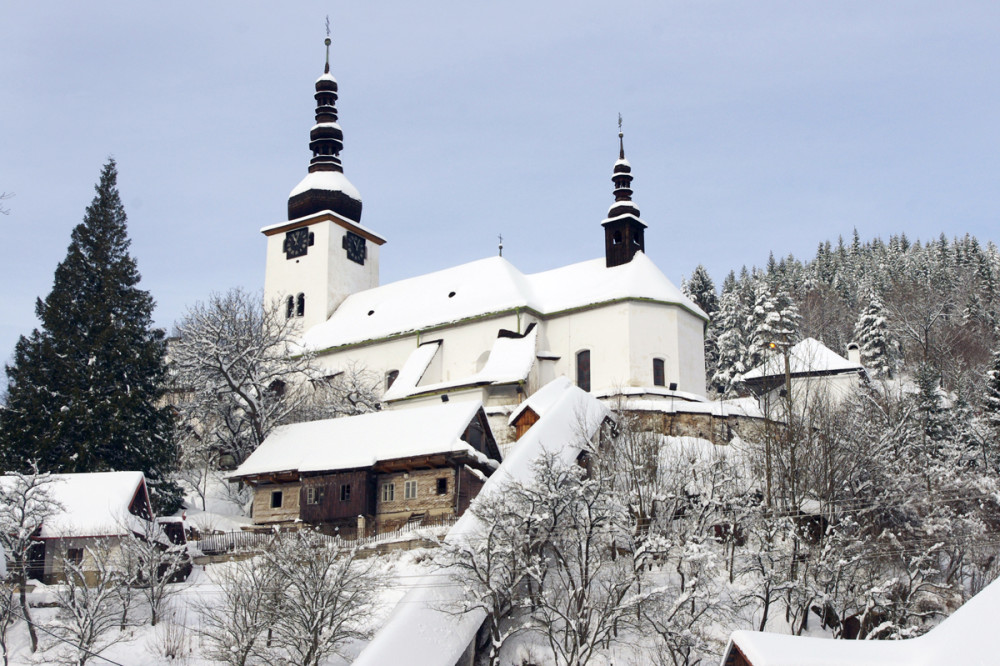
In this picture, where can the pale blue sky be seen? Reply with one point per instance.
(751, 127)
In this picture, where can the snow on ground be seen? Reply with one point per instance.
(225, 508)
(178, 632)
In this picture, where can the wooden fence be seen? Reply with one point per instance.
(231, 542)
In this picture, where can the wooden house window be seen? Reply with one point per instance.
(312, 497)
(583, 370)
(442, 486)
(658, 374)
(345, 492)
(74, 556)
(276, 496)
(410, 490)
(388, 492)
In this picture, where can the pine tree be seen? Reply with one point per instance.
(701, 290)
(991, 401)
(83, 389)
(872, 335)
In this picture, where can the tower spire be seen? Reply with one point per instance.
(623, 230)
(325, 187)
(326, 70)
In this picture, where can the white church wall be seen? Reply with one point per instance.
(324, 274)
(602, 330)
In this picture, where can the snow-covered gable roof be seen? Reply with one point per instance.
(422, 630)
(807, 357)
(90, 505)
(542, 400)
(356, 442)
(966, 637)
(485, 287)
(509, 361)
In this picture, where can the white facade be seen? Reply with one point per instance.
(628, 317)
(324, 275)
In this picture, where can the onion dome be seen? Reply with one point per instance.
(325, 187)
(621, 176)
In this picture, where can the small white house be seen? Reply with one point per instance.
(88, 508)
(816, 374)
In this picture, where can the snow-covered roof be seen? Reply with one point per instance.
(485, 287)
(356, 442)
(509, 361)
(311, 217)
(92, 504)
(808, 356)
(423, 629)
(542, 400)
(966, 637)
(327, 180)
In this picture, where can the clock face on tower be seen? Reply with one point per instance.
(355, 246)
(297, 243)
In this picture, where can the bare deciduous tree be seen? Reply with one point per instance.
(89, 604)
(327, 595)
(234, 621)
(239, 371)
(25, 502)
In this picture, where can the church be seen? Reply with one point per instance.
(485, 331)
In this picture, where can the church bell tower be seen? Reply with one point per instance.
(623, 230)
(322, 254)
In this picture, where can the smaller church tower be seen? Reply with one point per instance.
(322, 254)
(623, 230)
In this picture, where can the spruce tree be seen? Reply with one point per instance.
(83, 389)
(872, 335)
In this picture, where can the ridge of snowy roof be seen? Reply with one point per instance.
(542, 400)
(326, 180)
(809, 355)
(485, 287)
(421, 623)
(90, 504)
(354, 442)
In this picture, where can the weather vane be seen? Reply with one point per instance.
(500, 236)
(327, 70)
(619, 123)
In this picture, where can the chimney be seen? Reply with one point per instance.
(854, 353)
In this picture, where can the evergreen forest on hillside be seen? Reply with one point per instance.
(907, 304)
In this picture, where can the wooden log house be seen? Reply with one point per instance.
(372, 473)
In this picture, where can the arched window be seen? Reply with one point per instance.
(658, 374)
(583, 369)
(390, 377)
(300, 307)
(290, 307)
